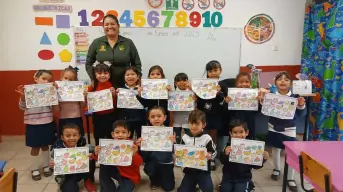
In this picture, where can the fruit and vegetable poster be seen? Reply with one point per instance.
(259, 29)
(99, 100)
(279, 106)
(40, 95)
(181, 101)
(243, 99)
(191, 156)
(154, 88)
(247, 151)
(127, 99)
(71, 160)
(70, 90)
(115, 152)
(156, 138)
(205, 88)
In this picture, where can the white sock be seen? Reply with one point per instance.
(35, 164)
(276, 160)
(290, 176)
(45, 158)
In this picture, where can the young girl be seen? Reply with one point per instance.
(280, 130)
(213, 107)
(70, 112)
(102, 120)
(134, 117)
(159, 165)
(39, 128)
(155, 72)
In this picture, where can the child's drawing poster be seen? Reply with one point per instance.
(40, 95)
(247, 151)
(279, 106)
(243, 99)
(302, 87)
(70, 90)
(155, 88)
(191, 156)
(127, 99)
(205, 88)
(156, 138)
(181, 101)
(115, 152)
(100, 100)
(71, 160)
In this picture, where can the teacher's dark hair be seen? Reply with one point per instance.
(111, 17)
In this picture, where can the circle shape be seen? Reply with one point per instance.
(63, 39)
(259, 29)
(46, 54)
(188, 4)
(155, 3)
(204, 4)
(219, 4)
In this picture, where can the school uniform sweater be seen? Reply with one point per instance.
(200, 140)
(131, 114)
(37, 115)
(212, 107)
(102, 86)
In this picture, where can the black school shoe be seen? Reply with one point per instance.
(275, 177)
(291, 187)
(154, 187)
(251, 187)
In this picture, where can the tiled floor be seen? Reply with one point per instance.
(13, 150)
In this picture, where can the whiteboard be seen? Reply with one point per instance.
(180, 49)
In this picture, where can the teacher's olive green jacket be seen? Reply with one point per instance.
(123, 54)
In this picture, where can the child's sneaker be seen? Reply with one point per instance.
(89, 185)
(154, 187)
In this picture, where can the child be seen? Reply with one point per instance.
(155, 72)
(194, 177)
(127, 176)
(280, 130)
(39, 128)
(102, 120)
(213, 107)
(70, 112)
(159, 165)
(179, 119)
(236, 176)
(70, 138)
(133, 117)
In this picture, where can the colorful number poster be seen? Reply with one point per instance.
(99, 100)
(302, 87)
(181, 101)
(155, 88)
(71, 160)
(247, 151)
(115, 152)
(205, 88)
(191, 156)
(279, 106)
(40, 95)
(243, 99)
(156, 138)
(127, 99)
(70, 90)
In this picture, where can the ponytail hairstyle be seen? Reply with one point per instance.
(180, 77)
(211, 66)
(40, 72)
(74, 70)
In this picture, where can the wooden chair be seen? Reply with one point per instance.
(315, 171)
(8, 182)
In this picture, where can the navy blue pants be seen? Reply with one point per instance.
(232, 186)
(163, 176)
(107, 172)
(70, 183)
(194, 178)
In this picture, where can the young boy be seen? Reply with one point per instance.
(236, 176)
(194, 177)
(127, 176)
(71, 138)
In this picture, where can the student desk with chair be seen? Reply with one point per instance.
(316, 159)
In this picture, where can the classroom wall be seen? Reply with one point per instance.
(287, 14)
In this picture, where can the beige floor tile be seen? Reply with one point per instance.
(23, 154)
(262, 179)
(27, 179)
(7, 154)
(31, 187)
(50, 188)
(258, 189)
(18, 164)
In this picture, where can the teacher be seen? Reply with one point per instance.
(121, 52)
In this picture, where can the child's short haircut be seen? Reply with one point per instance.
(120, 123)
(283, 73)
(197, 115)
(70, 126)
(158, 108)
(237, 123)
(243, 74)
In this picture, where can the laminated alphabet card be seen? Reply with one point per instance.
(156, 138)
(205, 88)
(190, 156)
(243, 99)
(71, 160)
(100, 100)
(127, 99)
(279, 106)
(70, 90)
(181, 101)
(246, 151)
(154, 88)
(40, 95)
(115, 152)
(302, 87)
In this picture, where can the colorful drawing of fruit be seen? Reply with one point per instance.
(239, 152)
(128, 149)
(64, 162)
(247, 153)
(66, 155)
(65, 169)
(246, 159)
(241, 146)
(126, 159)
(259, 150)
(72, 168)
(257, 159)
(71, 161)
(83, 166)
